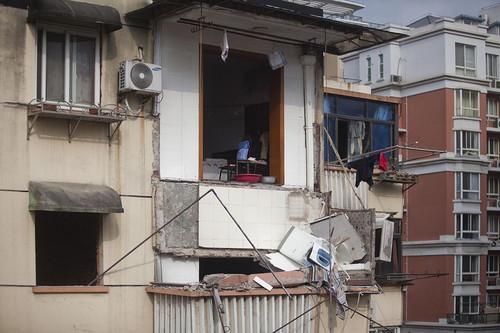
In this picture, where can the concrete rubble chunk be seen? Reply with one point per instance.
(243, 281)
(341, 232)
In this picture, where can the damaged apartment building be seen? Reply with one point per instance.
(250, 207)
(196, 166)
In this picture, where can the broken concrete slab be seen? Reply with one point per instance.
(243, 281)
(342, 234)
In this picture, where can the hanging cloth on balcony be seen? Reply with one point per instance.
(364, 169)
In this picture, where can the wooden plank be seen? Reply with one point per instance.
(355, 94)
(70, 290)
(277, 127)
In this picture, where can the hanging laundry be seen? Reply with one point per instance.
(382, 162)
(224, 47)
(364, 169)
(356, 137)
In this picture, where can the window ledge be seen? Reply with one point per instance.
(467, 201)
(467, 283)
(70, 290)
(467, 118)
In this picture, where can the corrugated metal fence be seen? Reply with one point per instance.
(343, 196)
(243, 314)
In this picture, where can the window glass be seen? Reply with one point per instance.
(493, 227)
(467, 143)
(459, 55)
(357, 126)
(465, 59)
(467, 185)
(369, 68)
(381, 65)
(380, 111)
(491, 66)
(350, 107)
(329, 103)
(466, 268)
(55, 67)
(82, 69)
(467, 226)
(381, 136)
(68, 64)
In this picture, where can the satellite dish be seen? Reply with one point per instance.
(141, 76)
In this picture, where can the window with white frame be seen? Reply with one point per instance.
(492, 187)
(467, 185)
(491, 66)
(466, 103)
(467, 143)
(465, 59)
(492, 268)
(68, 66)
(466, 268)
(467, 226)
(369, 69)
(466, 304)
(493, 148)
(493, 300)
(493, 227)
(492, 107)
(381, 66)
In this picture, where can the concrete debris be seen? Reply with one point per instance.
(262, 283)
(243, 281)
(337, 228)
(384, 232)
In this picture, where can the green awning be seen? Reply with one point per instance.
(73, 197)
(74, 13)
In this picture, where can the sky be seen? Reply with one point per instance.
(406, 11)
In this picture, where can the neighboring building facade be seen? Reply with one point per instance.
(446, 74)
(89, 173)
(58, 235)
(208, 107)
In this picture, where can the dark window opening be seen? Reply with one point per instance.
(229, 266)
(241, 110)
(358, 126)
(67, 248)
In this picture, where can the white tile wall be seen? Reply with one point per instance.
(262, 214)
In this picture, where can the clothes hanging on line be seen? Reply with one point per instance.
(382, 162)
(364, 169)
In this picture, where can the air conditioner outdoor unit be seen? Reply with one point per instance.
(139, 77)
(498, 203)
(396, 78)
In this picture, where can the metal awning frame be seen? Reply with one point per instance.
(357, 37)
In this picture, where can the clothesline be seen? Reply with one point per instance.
(391, 148)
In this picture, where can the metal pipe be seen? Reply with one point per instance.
(308, 62)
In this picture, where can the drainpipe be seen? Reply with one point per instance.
(308, 65)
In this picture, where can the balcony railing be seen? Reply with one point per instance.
(480, 318)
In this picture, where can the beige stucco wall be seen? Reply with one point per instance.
(386, 197)
(387, 307)
(125, 165)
